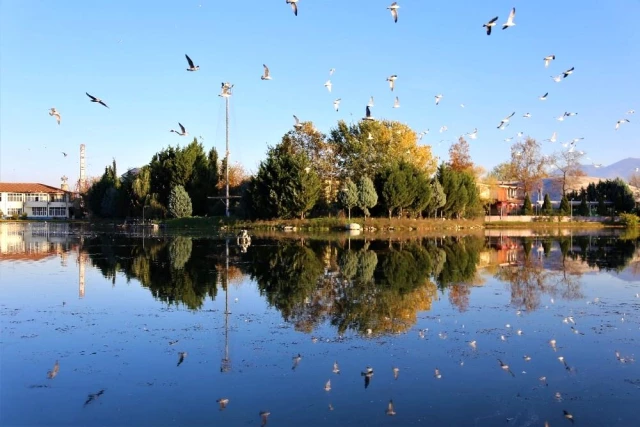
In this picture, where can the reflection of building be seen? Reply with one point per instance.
(39, 241)
(35, 200)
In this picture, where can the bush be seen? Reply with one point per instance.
(23, 215)
(629, 220)
(565, 208)
(179, 202)
(15, 216)
(528, 210)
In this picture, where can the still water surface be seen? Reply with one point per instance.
(117, 312)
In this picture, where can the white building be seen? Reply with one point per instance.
(36, 200)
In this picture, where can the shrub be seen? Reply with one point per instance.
(528, 210)
(629, 220)
(23, 215)
(179, 202)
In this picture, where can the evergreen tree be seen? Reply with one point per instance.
(583, 210)
(179, 205)
(395, 189)
(602, 207)
(367, 195)
(348, 196)
(438, 198)
(565, 209)
(546, 205)
(528, 210)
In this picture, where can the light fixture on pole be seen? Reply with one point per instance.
(226, 94)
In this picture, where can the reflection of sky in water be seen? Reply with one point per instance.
(116, 338)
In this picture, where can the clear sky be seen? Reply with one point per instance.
(131, 54)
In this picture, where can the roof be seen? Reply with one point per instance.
(28, 187)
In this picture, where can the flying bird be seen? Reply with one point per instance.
(619, 122)
(568, 72)
(64, 154)
(98, 100)
(370, 137)
(548, 59)
(336, 103)
(526, 115)
(368, 114)
(191, 66)
(328, 85)
(490, 25)
(93, 396)
(225, 90)
(570, 114)
(568, 416)
(510, 22)
(331, 71)
(182, 131)
(438, 98)
(294, 6)
(396, 104)
(553, 138)
(297, 125)
(504, 121)
(631, 112)
(394, 10)
(367, 374)
(223, 402)
(505, 367)
(474, 134)
(53, 112)
(392, 81)
(266, 75)
(370, 104)
(557, 78)
(544, 97)
(443, 129)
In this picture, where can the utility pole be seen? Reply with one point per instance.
(226, 94)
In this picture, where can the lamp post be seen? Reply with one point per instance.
(571, 209)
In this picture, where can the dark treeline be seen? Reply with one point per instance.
(367, 287)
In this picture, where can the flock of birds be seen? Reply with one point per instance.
(394, 8)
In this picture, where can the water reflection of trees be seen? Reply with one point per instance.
(374, 287)
(177, 270)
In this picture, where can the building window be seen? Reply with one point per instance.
(57, 197)
(15, 197)
(39, 211)
(14, 211)
(511, 193)
(37, 197)
(55, 211)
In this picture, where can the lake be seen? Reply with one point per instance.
(506, 328)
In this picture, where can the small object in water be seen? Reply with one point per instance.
(223, 402)
(330, 407)
(390, 410)
(93, 396)
(296, 361)
(367, 374)
(181, 356)
(473, 344)
(519, 332)
(173, 342)
(336, 368)
(437, 374)
(568, 416)
(527, 358)
(53, 372)
(264, 415)
(327, 386)
(396, 372)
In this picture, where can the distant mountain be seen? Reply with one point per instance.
(621, 169)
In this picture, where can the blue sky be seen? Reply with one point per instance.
(131, 54)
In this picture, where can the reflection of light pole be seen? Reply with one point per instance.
(226, 361)
(571, 209)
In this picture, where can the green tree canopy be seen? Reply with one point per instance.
(348, 196)
(179, 202)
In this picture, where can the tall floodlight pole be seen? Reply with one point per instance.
(226, 94)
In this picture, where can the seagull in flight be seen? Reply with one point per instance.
(331, 71)
(396, 104)
(191, 66)
(568, 72)
(490, 25)
(548, 59)
(510, 22)
(297, 124)
(505, 121)
(544, 97)
(98, 100)
(328, 85)
(553, 138)
(570, 114)
(370, 104)
(53, 112)
(64, 154)
(619, 122)
(557, 78)
(392, 81)
(266, 75)
(631, 112)
(474, 134)
(526, 115)
(182, 131)
(336, 103)
(443, 129)
(394, 10)
(294, 6)
(438, 98)
(368, 114)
